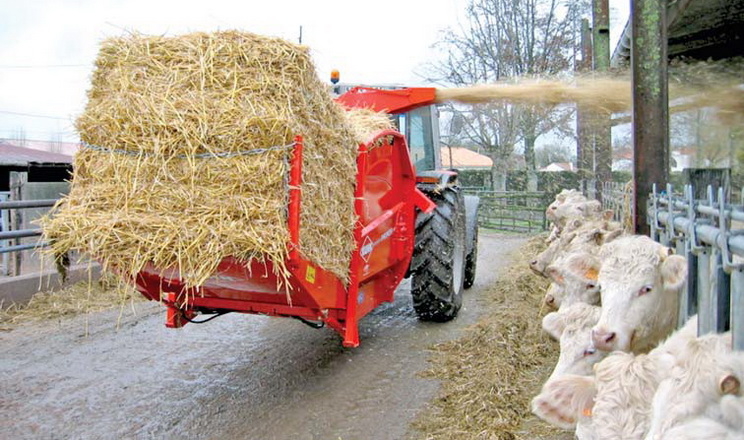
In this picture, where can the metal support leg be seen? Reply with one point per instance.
(737, 308)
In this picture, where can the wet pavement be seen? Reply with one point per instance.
(122, 374)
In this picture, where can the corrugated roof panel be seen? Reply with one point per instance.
(11, 155)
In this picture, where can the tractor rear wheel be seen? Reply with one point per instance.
(470, 261)
(437, 266)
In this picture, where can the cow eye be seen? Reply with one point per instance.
(589, 351)
(591, 286)
(644, 290)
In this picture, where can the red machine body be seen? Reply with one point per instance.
(386, 203)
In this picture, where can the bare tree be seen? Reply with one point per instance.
(502, 40)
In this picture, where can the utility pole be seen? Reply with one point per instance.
(648, 56)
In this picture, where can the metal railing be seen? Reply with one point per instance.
(710, 233)
(10, 239)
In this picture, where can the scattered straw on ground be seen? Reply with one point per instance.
(174, 174)
(80, 298)
(490, 375)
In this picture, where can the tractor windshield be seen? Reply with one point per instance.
(423, 135)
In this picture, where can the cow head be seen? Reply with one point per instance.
(640, 282)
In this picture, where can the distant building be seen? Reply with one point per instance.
(59, 147)
(41, 166)
(462, 158)
(559, 166)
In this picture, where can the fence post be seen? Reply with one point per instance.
(737, 307)
(17, 181)
(705, 308)
(720, 291)
(4, 226)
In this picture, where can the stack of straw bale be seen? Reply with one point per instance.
(168, 175)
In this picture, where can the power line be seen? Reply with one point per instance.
(40, 66)
(32, 115)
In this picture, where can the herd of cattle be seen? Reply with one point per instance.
(624, 372)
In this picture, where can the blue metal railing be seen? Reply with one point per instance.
(710, 233)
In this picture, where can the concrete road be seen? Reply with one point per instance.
(122, 374)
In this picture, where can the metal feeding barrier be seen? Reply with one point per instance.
(12, 233)
(709, 232)
(15, 235)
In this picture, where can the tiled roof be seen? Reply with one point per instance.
(464, 158)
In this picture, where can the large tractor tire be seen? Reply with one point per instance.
(470, 261)
(437, 266)
(472, 204)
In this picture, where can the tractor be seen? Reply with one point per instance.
(414, 221)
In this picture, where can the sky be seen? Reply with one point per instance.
(49, 46)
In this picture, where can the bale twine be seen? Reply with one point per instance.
(187, 157)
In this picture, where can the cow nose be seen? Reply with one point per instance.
(603, 340)
(549, 299)
(533, 263)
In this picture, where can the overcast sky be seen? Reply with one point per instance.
(48, 46)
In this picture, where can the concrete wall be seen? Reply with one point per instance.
(32, 262)
(20, 289)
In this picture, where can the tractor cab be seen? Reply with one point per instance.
(421, 128)
(419, 125)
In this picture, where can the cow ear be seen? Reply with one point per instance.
(611, 235)
(584, 265)
(563, 400)
(674, 272)
(553, 323)
(729, 384)
(554, 273)
(608, 214)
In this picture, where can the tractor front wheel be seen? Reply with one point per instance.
(437, 266)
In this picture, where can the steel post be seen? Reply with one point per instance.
(705, 309)
(720, 291)
(737, 307)
(650, 102)
(585, 145)
(602, 119)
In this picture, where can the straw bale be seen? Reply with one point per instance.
(176, 184)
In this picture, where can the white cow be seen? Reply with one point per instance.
(706, 372)
(574, 280)
(612, 404)
(729, 426)
(554, 323)
(578, 354)
(587, 238)
(640, 282)
(615, 403)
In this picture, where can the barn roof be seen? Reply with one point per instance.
(13, 155)
(463, 158)
(699, 29)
